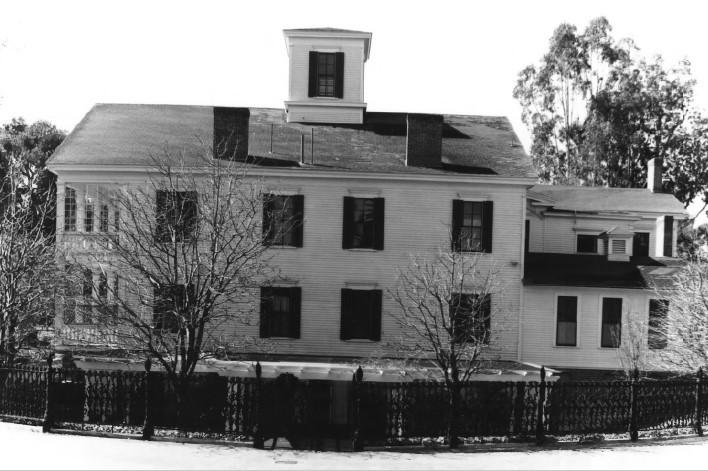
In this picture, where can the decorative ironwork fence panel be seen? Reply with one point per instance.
(241, 406)
(23, 391)
(588, 407)
(487, 408)
(665, 404)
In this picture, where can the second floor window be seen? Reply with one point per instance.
(472, 223)
(168, 306)
(176, 216)
(283, 220)
(363, 223)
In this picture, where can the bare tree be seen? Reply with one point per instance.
(180, 274)
(450, 312)
(27, 263)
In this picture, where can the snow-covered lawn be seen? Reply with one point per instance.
(25, 447)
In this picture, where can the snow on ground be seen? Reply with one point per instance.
(26, 447)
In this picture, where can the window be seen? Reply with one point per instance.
(658, 310)
(363, 223)
(361, 314)
(668, 236)
(103, 218)
(587, 243)
(470, 317)
(326, 74)
(89, 215)
(169, 304)
(611, 322)
(283, 220)
(640, 247)
(280, 312)
(69, 210)
(472, 226)
(567, 321)
(176, 216)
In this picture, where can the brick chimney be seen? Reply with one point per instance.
(424, 140)
(654, 175)
(231, 133)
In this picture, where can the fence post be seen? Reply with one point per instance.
(698, 424)
(258, 429)
(356, 442)
(540, 432)
(47, 422)
(148, 427)
(633, 428)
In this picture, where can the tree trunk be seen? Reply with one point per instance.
(454, 430)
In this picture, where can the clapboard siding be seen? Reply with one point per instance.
(417, 219)
(539, 326)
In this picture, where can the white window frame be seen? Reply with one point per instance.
(623, 320)
(578, 312)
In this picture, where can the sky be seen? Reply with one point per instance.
(59, 58)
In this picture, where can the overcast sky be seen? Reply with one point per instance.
(58, 58)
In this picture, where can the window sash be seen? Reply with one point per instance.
(470, 317)
(658, 310)
(69, 210)
(611, 322)
(360, 327)
(176, 215)
(471, 228)
(326, 71)
(364, 223)
(567, 321)
(586, 243)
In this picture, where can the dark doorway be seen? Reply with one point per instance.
(641, 244)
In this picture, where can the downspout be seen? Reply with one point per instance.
(521, 277)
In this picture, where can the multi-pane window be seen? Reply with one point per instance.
(89, 215)
(567, 321)
(103, 218)
(176, 216)
(283, 220)
(69, 209)
(472, 223)
(470, 318)
(611, 322)
(363, 226)
(280, 312)
(326, 74)
(586, 243)
(361, 314)
(169, 303)
(658, 310)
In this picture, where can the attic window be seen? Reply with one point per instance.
(326, 74)
(619, 246)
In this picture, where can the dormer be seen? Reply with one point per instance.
(326, 68)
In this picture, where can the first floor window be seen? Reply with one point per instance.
(280, 312)
(470, 318)
(611, 322)
(658, 310)
(567, 321)
(69, 209)
(586, 243)
(361, 314)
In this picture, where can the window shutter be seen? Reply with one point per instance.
(267, 212)
(458, 211)
(379, 222)
(339, 75)
(668, 236)
(487, 224)
(299, 215)
(348, 222)
(346, 321)
(295, 300)
(265, 312)
(376, 302)
(312, 88)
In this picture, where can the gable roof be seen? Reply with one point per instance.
(604, 200)
(124, 134)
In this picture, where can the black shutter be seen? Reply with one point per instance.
(487, 225)
(295, 300)
(668, 236)
(312, 88)
(379, 223)
(458, 212)
(299, 216)
(348, 222)
(376, 304)
(339, 75)
(267, 213)
(345, 332)
(265, 312)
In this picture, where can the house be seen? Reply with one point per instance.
(373, 188)
(597, 260)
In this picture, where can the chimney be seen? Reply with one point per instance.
(424, 140)
(654, 175)
(231, 133)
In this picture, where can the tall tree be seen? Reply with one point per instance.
(598, 113)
